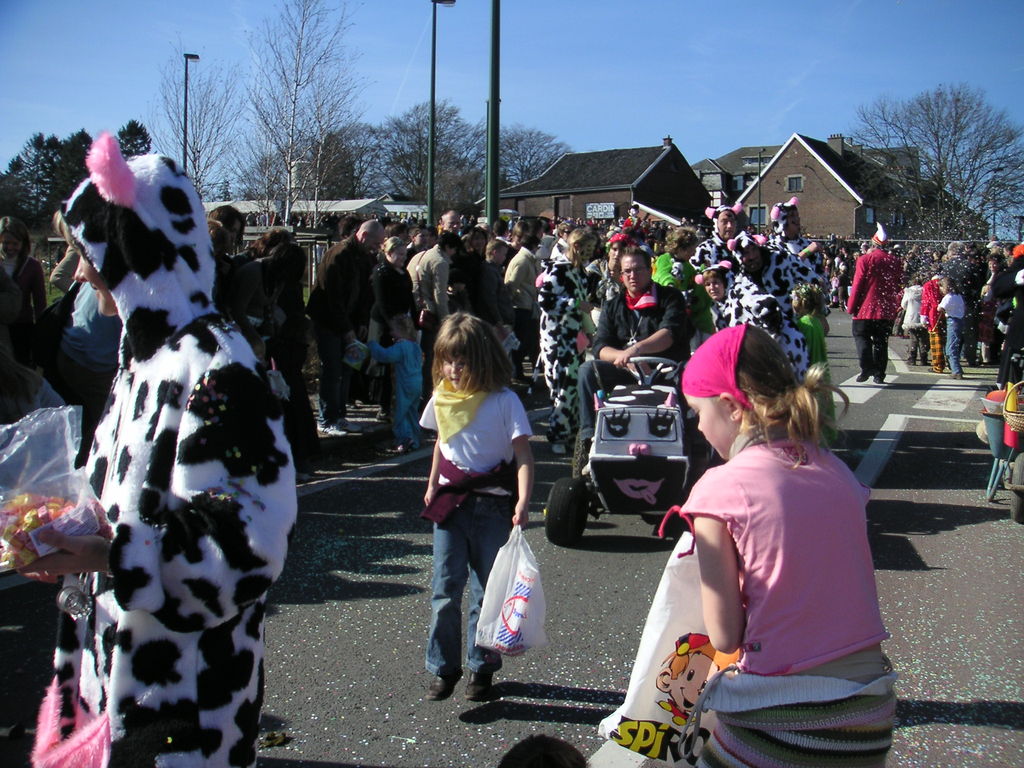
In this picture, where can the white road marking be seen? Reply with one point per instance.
(885, 442)
(951, 395)
(860, 392)
(897, 362)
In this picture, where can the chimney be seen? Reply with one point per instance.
(835, 143)
(667, 141)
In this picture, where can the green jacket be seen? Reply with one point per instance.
(699, 301)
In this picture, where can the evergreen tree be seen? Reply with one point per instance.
(134, 139)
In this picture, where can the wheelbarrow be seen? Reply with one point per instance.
(1007, 466)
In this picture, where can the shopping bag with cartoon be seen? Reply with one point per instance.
(673, 663)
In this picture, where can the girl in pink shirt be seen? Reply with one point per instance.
(786, 571)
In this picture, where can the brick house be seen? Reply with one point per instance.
(603, 185)
(727, 176)
(843, 188)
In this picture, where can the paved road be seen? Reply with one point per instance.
(345, 634)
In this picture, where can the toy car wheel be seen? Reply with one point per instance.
(1016, 497)
(566, 513)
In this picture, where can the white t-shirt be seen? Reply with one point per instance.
(487, 441)
(953, 305)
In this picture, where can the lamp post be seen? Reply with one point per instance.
(991, 184)
(760, 210)
(431, 145)
(184, 120)
(493, 102)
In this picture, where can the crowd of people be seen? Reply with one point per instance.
(187, 350)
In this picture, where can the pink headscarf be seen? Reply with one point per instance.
(712, 369)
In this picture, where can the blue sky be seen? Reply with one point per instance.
(597, 74)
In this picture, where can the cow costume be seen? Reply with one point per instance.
(765, 299)
(561, 294)
(714, 249)
(192, 467)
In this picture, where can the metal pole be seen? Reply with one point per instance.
(184, 121)
(760, 211)
(431, 220)
(493, 123)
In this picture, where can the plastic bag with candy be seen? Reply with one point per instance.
(40, 487)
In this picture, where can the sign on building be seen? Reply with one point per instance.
(600, 210)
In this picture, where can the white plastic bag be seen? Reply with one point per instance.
(512, 615)
(673, 662)
(40, 487)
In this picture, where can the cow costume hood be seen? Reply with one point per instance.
(780, 214)
(141, 224)
(192, 467)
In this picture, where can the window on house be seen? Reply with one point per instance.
(794, 183)
(737, 183)
(869, 215)
(757, 215)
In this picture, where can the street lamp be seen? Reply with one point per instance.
(431, 221)
(184, 121)
(991, 183)
(760, 210)
(493, 102)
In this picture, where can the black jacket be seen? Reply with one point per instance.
(620, 326)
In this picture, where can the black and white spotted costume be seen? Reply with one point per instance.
(714, 249)
(192, 466)
(765, 299)
(777, 240)
(562, 290)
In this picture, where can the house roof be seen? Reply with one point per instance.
(605, 169)
(839, 168)
(733, 162)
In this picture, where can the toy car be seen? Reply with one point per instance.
(644, 456)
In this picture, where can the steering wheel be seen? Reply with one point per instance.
(650, 369)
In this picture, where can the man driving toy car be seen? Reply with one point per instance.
(648, 320)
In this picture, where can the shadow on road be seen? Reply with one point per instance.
(891, 522)
(996, 714)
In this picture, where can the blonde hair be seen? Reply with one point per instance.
(778, 402)
(577, 252)
(391, 243)
(681, 239)
(465, 337)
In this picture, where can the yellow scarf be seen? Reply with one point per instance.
(454, 410)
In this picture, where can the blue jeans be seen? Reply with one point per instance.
(465, 546)
(954, 343)
(335, 375)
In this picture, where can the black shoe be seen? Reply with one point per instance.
(879, 379)
(442, 686)
(479, 686)
(862, 377)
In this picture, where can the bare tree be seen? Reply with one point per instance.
(213, 118)
(303, 91)
(527, 152)
(968, 158)
(459, 160)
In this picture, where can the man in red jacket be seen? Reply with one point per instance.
(874, 304)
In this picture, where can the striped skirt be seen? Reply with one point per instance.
(854, 732)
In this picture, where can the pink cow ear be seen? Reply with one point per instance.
(775, 212)
(738, 208)
(725, 263)
(760, 239)
(698, 279)
(109, 171)
(710, 212)
(793, 201)
(731, 245)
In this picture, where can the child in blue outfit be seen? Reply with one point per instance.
(406, 360)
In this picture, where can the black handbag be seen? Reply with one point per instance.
(49, 330)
